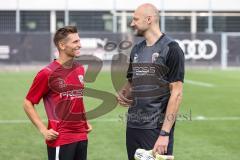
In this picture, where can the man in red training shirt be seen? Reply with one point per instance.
(60, 85)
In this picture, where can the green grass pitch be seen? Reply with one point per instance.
(216, 137)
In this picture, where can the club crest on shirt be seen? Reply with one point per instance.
(155, 57)
(80, 77)
(135, 58)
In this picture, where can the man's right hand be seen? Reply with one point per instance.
(50, 134)
(124, 98)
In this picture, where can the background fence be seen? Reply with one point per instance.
(202, 49)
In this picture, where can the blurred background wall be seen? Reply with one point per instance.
(207, 30)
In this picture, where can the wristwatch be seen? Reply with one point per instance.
(164, 133)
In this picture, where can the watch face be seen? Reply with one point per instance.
(164, 133)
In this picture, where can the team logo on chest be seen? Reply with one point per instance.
(155, 57)
(135, 58)
(80, 77)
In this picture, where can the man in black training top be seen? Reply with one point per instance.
(155, 84)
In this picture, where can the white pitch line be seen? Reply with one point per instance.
(202, 118)
(107, 120)
(14, 121)
(198, 118)
(28, 121)
(198, 83)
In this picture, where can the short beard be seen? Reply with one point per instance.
(138, 33)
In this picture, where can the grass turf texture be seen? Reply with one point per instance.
(194, 140)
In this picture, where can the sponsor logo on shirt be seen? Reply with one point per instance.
(78, 93)
(144, 70)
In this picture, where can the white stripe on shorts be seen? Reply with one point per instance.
(57, 153)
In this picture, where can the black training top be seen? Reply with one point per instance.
(150, 71)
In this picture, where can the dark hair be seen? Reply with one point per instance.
(63, 32)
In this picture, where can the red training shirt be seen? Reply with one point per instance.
(62, 93)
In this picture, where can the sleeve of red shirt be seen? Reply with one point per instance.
(39, 87)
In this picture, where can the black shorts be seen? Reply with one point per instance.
(145, 139)
(72, 151)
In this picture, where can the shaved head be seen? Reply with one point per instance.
(145, 19)
(147, 9)
(145, 23)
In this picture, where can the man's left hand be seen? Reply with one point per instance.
(89, 127)
(161, 145)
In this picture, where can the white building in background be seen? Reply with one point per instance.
(115, 15)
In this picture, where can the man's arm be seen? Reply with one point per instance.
(170, 116)
(36, 120)
(124, 96)
(173, 105)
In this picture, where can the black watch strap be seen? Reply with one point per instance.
(164, 133)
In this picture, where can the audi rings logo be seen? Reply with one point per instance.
(198, 49)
